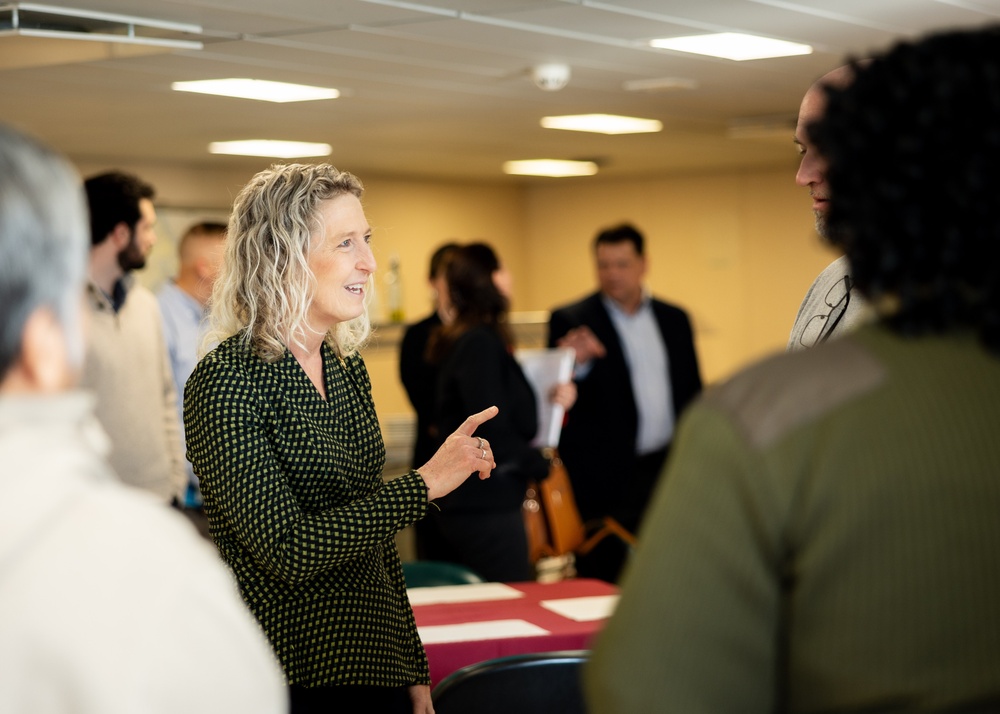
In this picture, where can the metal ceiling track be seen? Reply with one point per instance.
(63, 23)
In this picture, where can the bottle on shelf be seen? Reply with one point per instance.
(394, 291)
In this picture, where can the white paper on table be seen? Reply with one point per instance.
(545, 368)
(583, 609)
(472, 631)
(473, 592)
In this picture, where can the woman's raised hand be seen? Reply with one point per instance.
(460, 455)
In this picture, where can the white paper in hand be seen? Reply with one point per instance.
(546, 368)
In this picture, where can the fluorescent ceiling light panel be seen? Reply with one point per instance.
(733, 45)
(550, 167)
(260, 89)
(603, 124)
(269, 147)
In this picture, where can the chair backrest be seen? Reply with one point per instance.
(540, 683)
(429, 573)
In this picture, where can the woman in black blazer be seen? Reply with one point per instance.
(481, 522)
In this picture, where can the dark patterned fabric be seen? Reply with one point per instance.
(297, 506)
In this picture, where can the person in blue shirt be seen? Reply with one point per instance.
(183, 303)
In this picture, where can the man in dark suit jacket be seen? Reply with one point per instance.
(636, 370)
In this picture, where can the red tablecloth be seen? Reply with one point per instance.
(563, 633)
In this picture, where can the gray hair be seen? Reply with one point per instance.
(43, 243)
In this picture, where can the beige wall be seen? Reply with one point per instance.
(410, 219)
(738, 250)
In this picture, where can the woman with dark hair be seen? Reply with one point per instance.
(827, 535)
(483, 527)
(415, 372)
(419, 378)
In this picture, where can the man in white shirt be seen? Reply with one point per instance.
(831, 305)
(636, 371)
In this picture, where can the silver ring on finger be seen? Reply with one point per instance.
(481, 441)
(483, 457)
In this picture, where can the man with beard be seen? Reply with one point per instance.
(831, 306)
(126, 364)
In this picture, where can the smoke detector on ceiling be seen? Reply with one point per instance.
(550, 77)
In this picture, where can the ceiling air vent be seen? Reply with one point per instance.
(33, 35)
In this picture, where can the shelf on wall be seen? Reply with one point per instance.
(530, 330)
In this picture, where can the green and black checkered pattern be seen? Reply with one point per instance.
(298, 508)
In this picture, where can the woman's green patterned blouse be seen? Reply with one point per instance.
(298, 508)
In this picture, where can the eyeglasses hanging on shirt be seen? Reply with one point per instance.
(821, 326)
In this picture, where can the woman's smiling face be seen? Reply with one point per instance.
(341, 260)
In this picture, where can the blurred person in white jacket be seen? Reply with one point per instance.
(109, 601)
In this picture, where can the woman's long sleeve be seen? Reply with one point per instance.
(297, 489)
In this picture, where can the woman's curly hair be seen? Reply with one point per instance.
(265, 286)
(913, 145)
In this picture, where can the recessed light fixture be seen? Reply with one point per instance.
(733, 45)
(557, 168)
(270, 147)
(603, 124)
(260, 89)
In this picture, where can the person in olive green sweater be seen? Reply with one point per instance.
(827, 535)
(282, 432)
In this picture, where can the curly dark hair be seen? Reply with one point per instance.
(913, 145)
(474, 298)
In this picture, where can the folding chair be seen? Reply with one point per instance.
(540, 683)
(428, 573)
